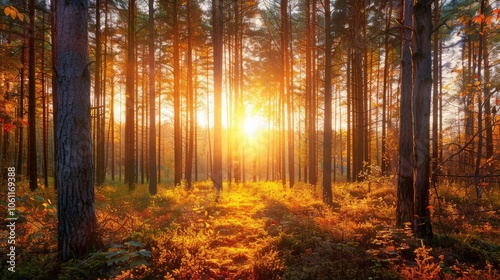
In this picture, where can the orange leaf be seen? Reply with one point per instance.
(478, 19)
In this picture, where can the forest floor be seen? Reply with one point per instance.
(263, 231)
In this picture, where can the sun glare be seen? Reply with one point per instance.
(252, 125)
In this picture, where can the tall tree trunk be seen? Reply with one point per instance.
(143, 108)
(177, 98)
(385, 157)
(405, 191)
(435, 95)
(285, 97)
(20, 114)
(327, 130)
(348, 116)
(152, 103)
(488, 118)
(32, 155)
(54, 78)
(190, 99)
(239, 108)
(130, 167)
(77, 227)
(358, 92)
(422, 93)
(312, 161)
(45, 119)
(99, 106)
(288, 73)
(217, 7)
(480, 97)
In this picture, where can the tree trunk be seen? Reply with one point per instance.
(359, 120)
(45, 119)
(435, 96)
(217, 7)
(385, 156)
(405, 191)
(152, 103)
(327, 134)
(32, 156)
(190, 100)
(77, 225)
(488, 118)
(312, 159)
(177, 98)
(288, 81)
(99, 104)
(422, 90)
(54, 78)
(285, 97)
(130, 168)
(480, 97)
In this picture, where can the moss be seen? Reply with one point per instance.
(469, 250)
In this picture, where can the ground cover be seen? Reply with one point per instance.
(261, 231)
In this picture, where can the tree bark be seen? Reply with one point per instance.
(190, 99)
(152, 103)
(422, 93)
(177, 98)
(312, 159)
(405, 191)
(217, 8)
(77, 224)
(99, 103)
(130, 145)
(54, 78)
(435, 96)
(385, 157)
(480, 97)
(32, 153)
(327, 134)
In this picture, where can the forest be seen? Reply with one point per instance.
(255, 139)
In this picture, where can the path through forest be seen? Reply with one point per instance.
(239, 226)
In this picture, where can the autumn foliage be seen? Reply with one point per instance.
(262, 231)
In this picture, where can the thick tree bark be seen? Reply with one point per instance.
(77, 234)
(422, 93)
(405, 191)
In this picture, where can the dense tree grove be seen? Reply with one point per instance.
(313, 91)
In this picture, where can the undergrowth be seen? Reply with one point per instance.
(260, 231)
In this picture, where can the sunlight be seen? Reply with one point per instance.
(252, 125)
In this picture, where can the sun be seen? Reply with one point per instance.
(252, 125)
